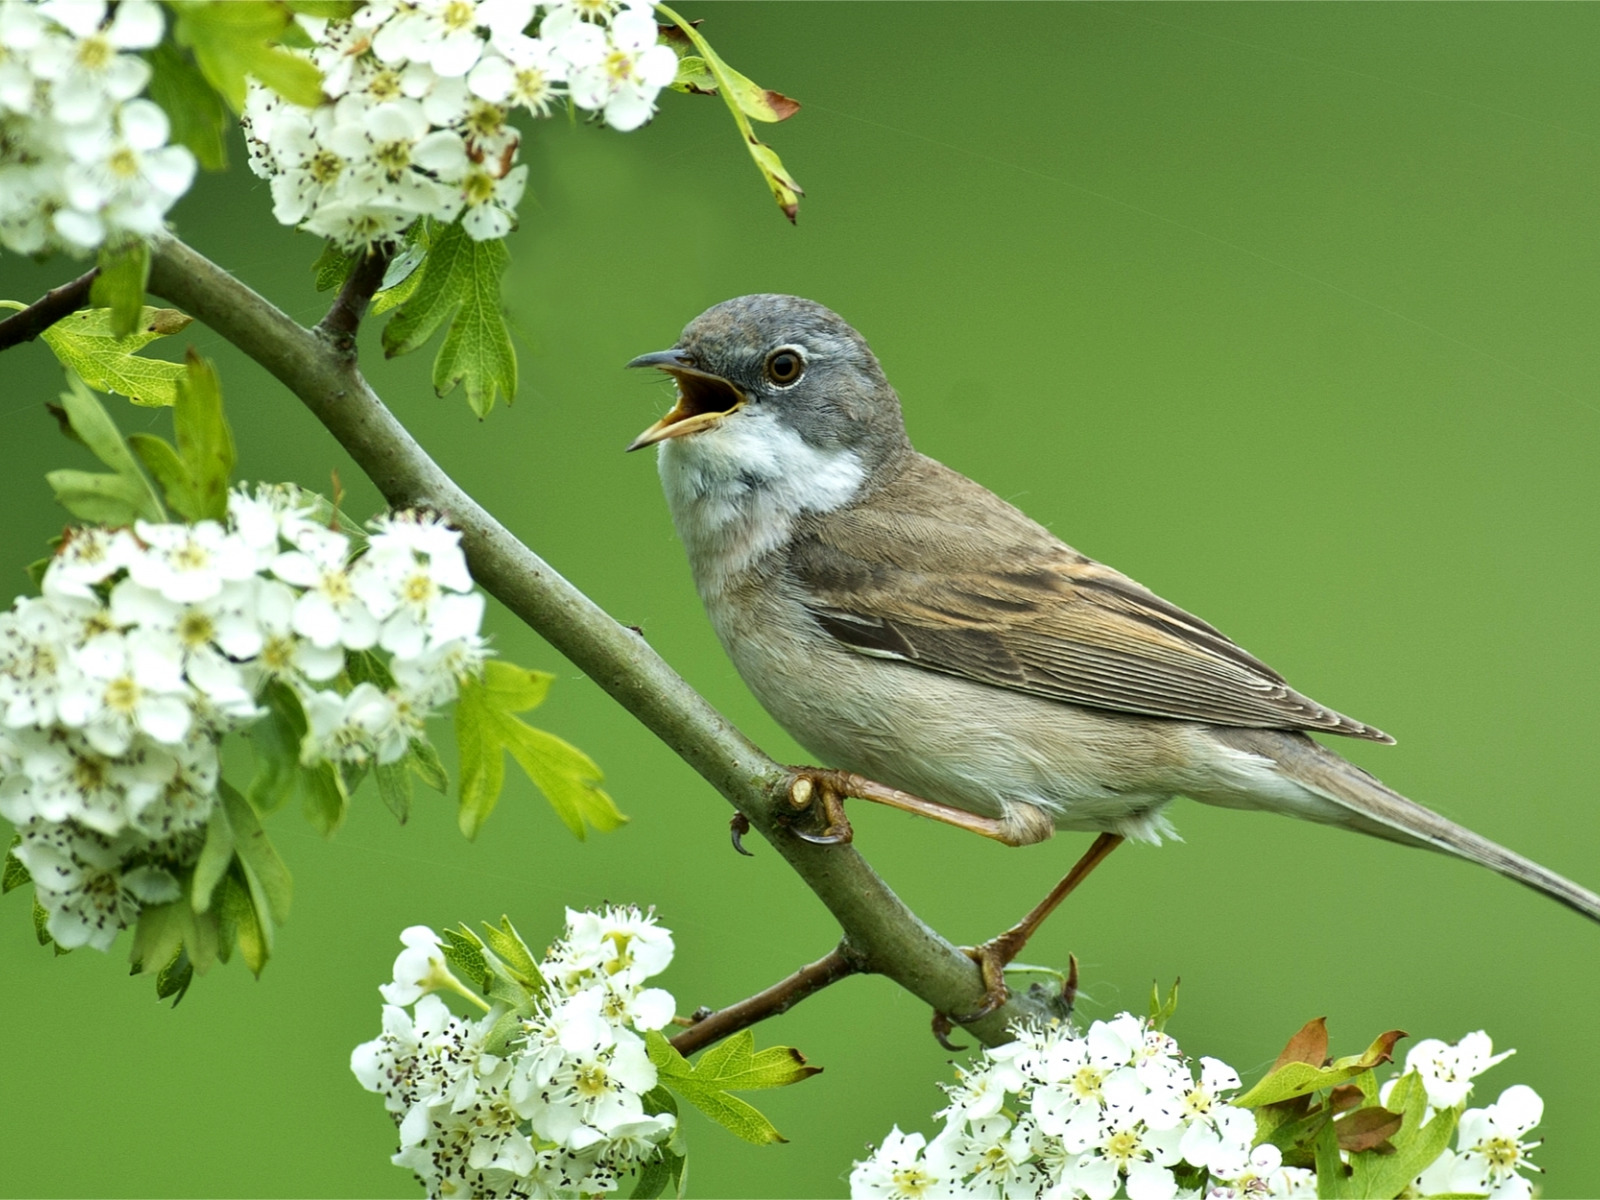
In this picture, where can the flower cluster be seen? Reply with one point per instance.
(556, 1107)
(419, 94)
(148, 644)
(1490, 1153)
(83, 157)
(1117, 1110)
(1067, 1115)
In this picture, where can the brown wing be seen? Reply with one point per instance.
(935, 573)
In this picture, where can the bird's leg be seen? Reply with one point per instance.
(814, 785)
(994, 954)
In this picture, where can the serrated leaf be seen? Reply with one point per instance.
(99, 499)
(15, 875)
(124, 269)
(1302, 1078)
(487, 729)
(158, 937)
(84, 342)
(205, 443)
(94, 427)
(463, 951)
(234, 39)
(333, 266)
(402, 277)
(459, 282)
(394, 789)
(1416, 1146)
(161, 463)
(212, 865)
(270, 884)
(745, 100)
(730, 1065)
(509, 947)
(41, 927)
(196, 113)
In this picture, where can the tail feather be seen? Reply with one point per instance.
(1378, 810)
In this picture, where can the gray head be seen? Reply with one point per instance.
(773, 360)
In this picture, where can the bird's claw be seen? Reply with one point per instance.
(738, 826)
(943, 1026)
(806, 792)
(992, 957)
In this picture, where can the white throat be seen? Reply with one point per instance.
(735, 489)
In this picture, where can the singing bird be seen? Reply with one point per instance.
(907, 625)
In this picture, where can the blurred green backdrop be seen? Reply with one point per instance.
(1288, 311)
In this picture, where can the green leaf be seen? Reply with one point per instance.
(731, 1065)
(333, 266)
(14, 875)
(1301, 1078)
(198, 117)
(745, 100)
(1332, 1183)
(276, 740)
(119, 287)
(424, 760)
(509, 947)
(158, 937)
(100, 499)
(174, 978)
(694, 76)
(394, 788)
(402, 277)
(328, 10)
(205, 443)
(41, 927)
(1416, 1145)
(161, 463)
(234, 39)
(84, 341)
(459, 282)
(486, 728)
(1161, 1010)
(660, 1173)
(240, 921)
(212, 865)
(270, 884)
(324, 797)
(463, 951)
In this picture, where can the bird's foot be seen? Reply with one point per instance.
(820, 793)
(992, 961)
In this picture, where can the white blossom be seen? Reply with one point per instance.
(148, 645)
(84, 159)
(1490, 1153)
(559, 1108)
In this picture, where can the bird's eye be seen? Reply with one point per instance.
(784, 366)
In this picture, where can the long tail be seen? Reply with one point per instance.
(1372, 808)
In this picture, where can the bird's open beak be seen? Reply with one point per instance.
(703, 399)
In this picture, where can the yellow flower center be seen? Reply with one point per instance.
(191, 556)
(459, 14)
(912, 1181)
(122, 694)
(1086, 1083)
(90, 773)
(94, 53)
(196, 629)
(592, 1082)
(1502, 1153)
(1122, 1146)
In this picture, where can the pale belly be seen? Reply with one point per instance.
(981, 748)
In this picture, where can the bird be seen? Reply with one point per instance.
(947, 654)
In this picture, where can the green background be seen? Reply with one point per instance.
(1287, 311)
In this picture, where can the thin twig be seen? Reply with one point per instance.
(28, 323)
(891, 939)
(363, 282)
(839, 963)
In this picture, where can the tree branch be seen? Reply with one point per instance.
(890, 939)
(839, 963)
(28, 323)
(365, 278)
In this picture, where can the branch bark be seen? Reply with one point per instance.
(28, 323)
(321, 370)
(839, 963)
